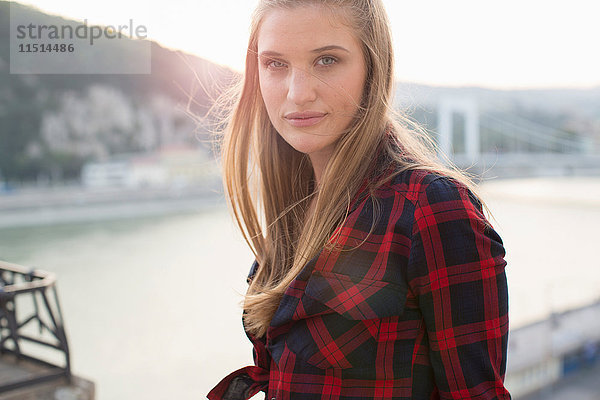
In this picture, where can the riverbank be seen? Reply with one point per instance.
(70, 204)
(545, 354)
(573, 191)
(583, 385)
(66, 205)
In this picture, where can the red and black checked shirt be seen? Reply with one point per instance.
(418, 311)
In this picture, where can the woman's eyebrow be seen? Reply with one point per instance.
(268, 53)
(330, 47)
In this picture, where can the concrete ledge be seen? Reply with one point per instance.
(60, 389)
(57, 389)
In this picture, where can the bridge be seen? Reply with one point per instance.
(491, 145)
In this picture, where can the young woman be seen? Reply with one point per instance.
(377, 274)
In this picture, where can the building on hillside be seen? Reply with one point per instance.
(173, 166)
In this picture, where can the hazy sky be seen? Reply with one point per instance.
(499, 44)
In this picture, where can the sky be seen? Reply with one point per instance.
(508, 44)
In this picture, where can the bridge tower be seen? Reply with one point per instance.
(449, 105)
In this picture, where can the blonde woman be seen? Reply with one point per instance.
(377, 274)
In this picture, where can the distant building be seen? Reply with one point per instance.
(105, 174)
(147, 171)
(174, 166)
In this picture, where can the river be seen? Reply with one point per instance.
(152, 304)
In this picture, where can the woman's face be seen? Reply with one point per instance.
(312, 74)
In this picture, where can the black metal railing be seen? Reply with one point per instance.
(42, 323)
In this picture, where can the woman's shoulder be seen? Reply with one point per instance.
(414, 184)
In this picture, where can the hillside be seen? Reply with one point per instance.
(51, 124)
(41, 136)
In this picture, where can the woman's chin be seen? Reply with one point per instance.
(308, 144)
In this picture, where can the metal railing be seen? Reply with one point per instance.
(18, 284)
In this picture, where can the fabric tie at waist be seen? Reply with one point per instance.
(241, 384)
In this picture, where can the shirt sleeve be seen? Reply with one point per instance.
(456, 271)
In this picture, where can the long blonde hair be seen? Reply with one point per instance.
(269, 184)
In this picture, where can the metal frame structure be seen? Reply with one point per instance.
(18, 283)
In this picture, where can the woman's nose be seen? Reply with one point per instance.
(301, 86)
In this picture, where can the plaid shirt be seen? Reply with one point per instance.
(418, 311)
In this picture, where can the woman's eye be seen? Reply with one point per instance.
(327, 60)
(275, 64)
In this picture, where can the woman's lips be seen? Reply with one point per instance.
(304, 119)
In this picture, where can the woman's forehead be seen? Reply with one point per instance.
(303, 28)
